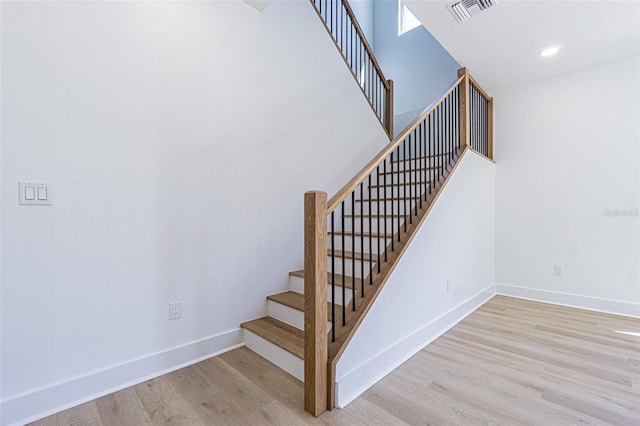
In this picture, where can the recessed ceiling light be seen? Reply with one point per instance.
(550, 51)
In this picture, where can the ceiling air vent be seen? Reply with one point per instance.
(465, 9)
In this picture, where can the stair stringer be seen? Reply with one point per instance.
(453, 241)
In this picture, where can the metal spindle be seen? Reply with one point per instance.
(378, 217)
(353, 251)
(370, 232)
(398, 191)
(404, 182)
(333, 278)
(362, 240)
(384, 180)
(411, 136)
(392, 215)
(344, 271)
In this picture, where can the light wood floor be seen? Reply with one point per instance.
(511, 362)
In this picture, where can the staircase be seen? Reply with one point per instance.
(354, 241)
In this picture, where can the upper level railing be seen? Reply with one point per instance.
(341, 23)
(481, 120)
(353, 241)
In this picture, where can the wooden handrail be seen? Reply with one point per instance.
(356, 25)
(346, 190)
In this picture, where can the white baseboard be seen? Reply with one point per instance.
(572, 300)
(355, 382)
(52, 399)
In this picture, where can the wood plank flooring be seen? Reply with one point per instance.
(512, 362)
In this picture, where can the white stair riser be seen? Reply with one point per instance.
(348, 265)
(297, 284)
(287, 314)
(283, 359)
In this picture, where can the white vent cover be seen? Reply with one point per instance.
(465, 9)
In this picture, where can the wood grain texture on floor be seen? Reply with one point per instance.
(511, 362)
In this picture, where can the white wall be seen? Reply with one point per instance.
(567, 158)
(456, 243)
(180, 138)
(363, 9)
(419, 65)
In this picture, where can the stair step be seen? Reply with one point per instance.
(363, 234)
(349, 280)
(279, 333)
(296, 301)
(351, 216)
(375, 200)
(427, 182)
(402, 160)
(350, 255)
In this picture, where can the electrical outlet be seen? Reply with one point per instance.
(175, 309)
(558, 271)
(448, 286)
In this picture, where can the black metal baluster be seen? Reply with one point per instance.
(412, 135)
(419, 154)
(333, 278)
(362, 240)
(397, 172)
(450, 121)
(384, 168)
(404, 183)
(378, 217)
(353, 251)
(441, 141)
(370, 233)
(344, 270)
(392, 213)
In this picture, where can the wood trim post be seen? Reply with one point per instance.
(464, 108)
(490, 130)
(315, 302)
(388, 110)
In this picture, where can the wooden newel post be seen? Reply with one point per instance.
(388, 110)
(464, 108)
(315, 302)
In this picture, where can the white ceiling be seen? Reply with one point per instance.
(501, 45)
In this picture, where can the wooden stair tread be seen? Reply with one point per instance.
(402, 160)
(279, 333)
(375, 200)
(423, 182)
(364, 234)
(296, 301)
(415, 169)
(339, 279)
(289, 298)
(375, 215)
(350, 255)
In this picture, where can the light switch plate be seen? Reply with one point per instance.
(35, 193)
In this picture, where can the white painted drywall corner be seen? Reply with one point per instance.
(456, 243)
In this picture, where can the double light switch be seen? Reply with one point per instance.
(35, 193)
